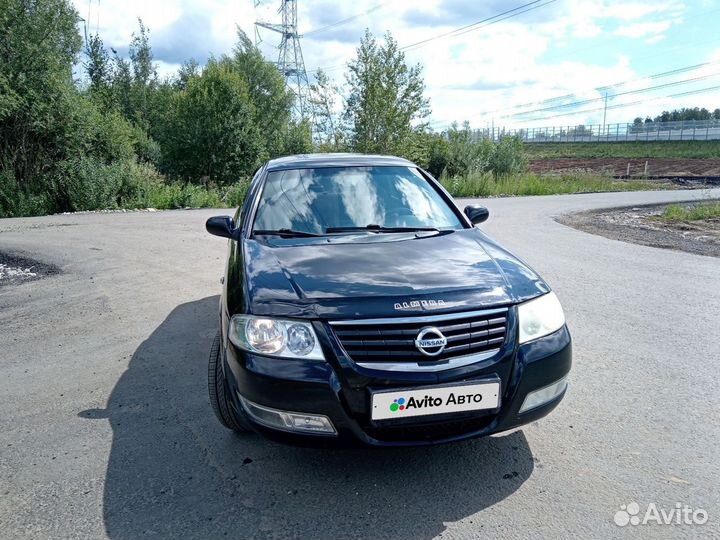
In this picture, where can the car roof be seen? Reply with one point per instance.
(310, 161)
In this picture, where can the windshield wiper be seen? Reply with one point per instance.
(290, 233)
(379, 228)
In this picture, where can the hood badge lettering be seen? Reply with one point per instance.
(420, 304)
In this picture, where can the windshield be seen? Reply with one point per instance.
(315, 200)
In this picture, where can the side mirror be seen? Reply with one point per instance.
(476, 214)
(220, 226)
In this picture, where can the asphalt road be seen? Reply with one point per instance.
(106, 430)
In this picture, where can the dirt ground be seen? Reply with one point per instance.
(619, 166)
(642, 225)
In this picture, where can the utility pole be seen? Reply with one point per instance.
(605, 112)
(290, 58)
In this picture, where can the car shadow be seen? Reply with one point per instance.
(174, 472)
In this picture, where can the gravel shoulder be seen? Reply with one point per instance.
(643, 225)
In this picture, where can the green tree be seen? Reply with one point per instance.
(465, 155)
(298, 139)
(327, 124)
(386, 98)
(122, 86)
(438, 155)
(266, 89)
(211, 136)
(144, 75)
(686, 113)
(190, 68)
(98, 64)
(100, 73)
(39, 43)
(507, 157)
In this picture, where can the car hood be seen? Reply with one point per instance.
(383, 275)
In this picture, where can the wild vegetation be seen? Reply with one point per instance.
(488, 185)
(695, 212)
(122, 137)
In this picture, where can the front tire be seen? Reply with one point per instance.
(219, 399)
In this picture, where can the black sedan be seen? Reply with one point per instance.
(360, 305)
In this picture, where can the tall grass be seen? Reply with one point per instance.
(172, 195)
(676, 212)
(634, 149)
(487, 185)
(83, 184)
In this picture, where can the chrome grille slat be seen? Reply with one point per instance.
(379, 341)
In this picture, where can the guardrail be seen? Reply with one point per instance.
(686, 130)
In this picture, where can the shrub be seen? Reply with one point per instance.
(108, 136)
(507, 157)
(87, 184)
(235, 195)
(146, 148)
(696, 212)
(211, 135)
(17, 202)
(438, 156)
(462, 154)
(298, 139)
(465, 156)
(152, 192)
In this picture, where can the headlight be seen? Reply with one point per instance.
(540, 317)
(275, 337)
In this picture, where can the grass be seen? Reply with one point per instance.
(166, 196)
(486, 185)
(676, 212)
(635, 149)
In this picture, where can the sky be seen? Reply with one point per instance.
(528, 70)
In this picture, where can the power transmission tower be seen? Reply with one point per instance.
(290, 58)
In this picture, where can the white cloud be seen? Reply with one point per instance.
(630, 11)
(643, 29)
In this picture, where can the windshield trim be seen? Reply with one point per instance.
(259, 188)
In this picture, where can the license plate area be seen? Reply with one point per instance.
(431, 401)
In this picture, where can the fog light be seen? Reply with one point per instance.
(288, 421)
(543, 395)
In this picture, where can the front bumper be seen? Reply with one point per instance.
(335, 390)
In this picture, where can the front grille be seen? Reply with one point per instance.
(393, 339)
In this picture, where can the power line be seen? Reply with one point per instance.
(630, 104)
(628, 92)
(602, 88)
(514, 12)
(599, 88)
(483, 23)
(343, 21)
